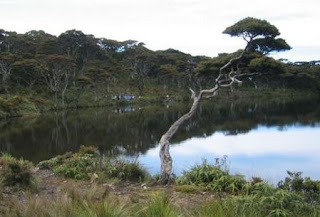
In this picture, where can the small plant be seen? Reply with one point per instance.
(16, 173)
(126, 170)
(75, 166)
(213, 178)
(83, 164)
(159, 206)
(306, 187)
(91, 149)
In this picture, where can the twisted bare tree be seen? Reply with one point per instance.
(260, 37)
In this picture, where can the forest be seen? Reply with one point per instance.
(40, 71)
(79, 166)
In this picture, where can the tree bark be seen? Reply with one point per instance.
(165, 157)
(224, 80)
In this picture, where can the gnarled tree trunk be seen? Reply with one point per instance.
(223, 80)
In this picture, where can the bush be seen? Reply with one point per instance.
(213, 178)
(309, 189)
(75, 166)
(86, 163)
(16, 173)
(126, 170)
(17, 106)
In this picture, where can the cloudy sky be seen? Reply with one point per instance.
(191, 26)
(250, 154)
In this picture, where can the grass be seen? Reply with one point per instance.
(191, 189)
(213, 178)
(159, 206)
(16, 173)
(296, 196)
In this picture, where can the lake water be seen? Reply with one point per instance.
(259, 139)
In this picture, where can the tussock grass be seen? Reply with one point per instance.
(159, 206)
(294, 197)
(16, 173)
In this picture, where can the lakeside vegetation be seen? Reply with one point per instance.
(86, 184)
(41, 72)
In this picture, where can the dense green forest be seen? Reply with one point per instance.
(40, 71)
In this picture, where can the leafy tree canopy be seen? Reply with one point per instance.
(260, 35)
(267, 45)
(250, 28)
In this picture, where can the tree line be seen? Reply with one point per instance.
(78, 62)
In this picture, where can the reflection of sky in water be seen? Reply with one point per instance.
(264, 152)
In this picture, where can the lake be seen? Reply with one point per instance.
(259, 138)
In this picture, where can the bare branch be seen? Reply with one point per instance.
(193, 94)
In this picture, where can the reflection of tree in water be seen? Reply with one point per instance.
(133, 133)
(241, 117)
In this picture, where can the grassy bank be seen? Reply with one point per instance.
(26, 104)
(86, 184)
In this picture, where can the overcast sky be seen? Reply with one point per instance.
(191, 26)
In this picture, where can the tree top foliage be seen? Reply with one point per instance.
(250, 28)
(260, 35)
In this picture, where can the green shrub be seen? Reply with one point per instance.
(76, 166)
(83, 164)
(213, 178)
(309, 189)
(126, 170)
(16, 173)
(17, 106)
(54, 162)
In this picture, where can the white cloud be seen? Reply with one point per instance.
(191, 26)
(255, 143)
(267, 153)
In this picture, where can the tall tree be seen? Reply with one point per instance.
(56, 74)
(250, 29)
(6, 61)
(26, 72)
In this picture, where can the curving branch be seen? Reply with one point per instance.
(223, 80)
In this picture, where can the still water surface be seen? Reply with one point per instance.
(260, 139)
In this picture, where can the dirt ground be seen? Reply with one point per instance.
(51, 186)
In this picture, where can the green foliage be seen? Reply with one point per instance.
(108, 208)
(307, 188)
(251, 27)
(213, 178)
(259, 34)
(16, 173)
(84, 70)
(266, 65)
(87, 163)
(273, 204)
(269, 44)
(125, 170)
(26, 72)
(159, 206)
(17, 106)
(64, 206)
(76, 166)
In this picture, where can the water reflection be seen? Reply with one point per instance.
(264, 152)
(220, 128)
